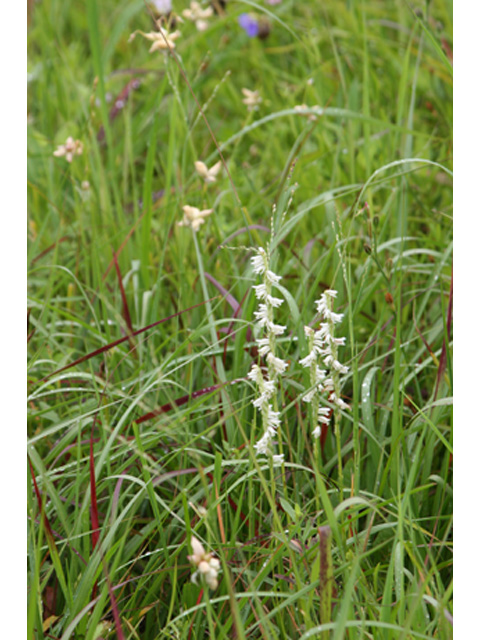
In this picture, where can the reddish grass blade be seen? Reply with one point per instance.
(116, 494)
(49, 599)
(173, 474)
(68, 448)
(237, 308)
(63, 539)
(424, 340)
(120, 340)
(46, 522)
(325, 576)
(228, 296)
(122, 246)
(126, 311)
(50, 248)
(116, 614)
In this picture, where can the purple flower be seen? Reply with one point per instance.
(249, 24)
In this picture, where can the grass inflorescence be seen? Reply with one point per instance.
(201, 215)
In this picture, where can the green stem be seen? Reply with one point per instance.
(338, 438)
(211, 623)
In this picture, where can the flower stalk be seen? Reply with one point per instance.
(265, 401)
(323, 346)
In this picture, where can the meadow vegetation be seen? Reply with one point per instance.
(310, 153)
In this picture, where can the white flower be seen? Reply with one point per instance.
(271, 277)
(323, 415)
(257, 263)
(267, 390)
(198, 15)
(269, 387)
(263, 346)
(276, 329)
(316, 343)
(278, 365)
(211, 580)
(262, 399)
(328, 385)
(262, 314)
(252, 99)
(323, 332)
(207, 565)
(255, 374)
(316, 377)
(335, 364)
(324, 343)
(194, 217)
(264, 321)
(204, 567)
(70, 149)
(324, 306)
(161, 39)
(334, 317)
(308, 397)
(339, 402)
(265, 386)
(266, 348)
(198, 551)
(261, 293)
(209, 175)
(275, 302)
(278, 459)
(273, 418)
(262, 447)
(308, 360)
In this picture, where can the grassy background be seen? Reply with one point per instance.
(130, 450)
